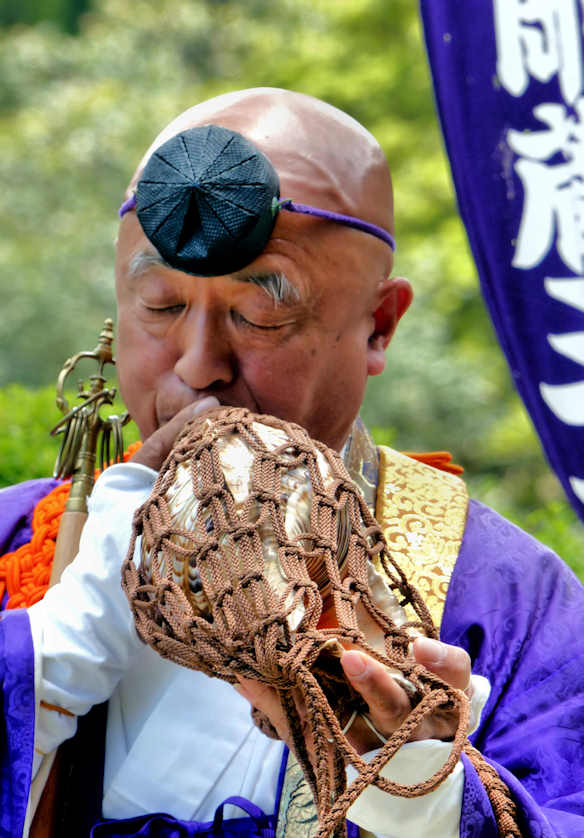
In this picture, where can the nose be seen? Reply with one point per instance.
(205, 359)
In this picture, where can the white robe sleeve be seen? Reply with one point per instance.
(83, 630)
(437, 813)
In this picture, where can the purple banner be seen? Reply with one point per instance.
(509, 83)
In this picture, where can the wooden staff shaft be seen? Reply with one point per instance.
(67, 543)
(44, 823)
(75, 513)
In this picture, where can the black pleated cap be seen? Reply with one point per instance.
(206, 200)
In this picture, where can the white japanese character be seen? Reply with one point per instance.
(553, 191)
(539, 38)
(566, 401)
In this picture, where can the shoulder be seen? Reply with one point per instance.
(497, 555)
(17, 505)
(510, 596)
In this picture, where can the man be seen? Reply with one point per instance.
(293, 331)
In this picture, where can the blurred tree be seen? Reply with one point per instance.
(65, 14)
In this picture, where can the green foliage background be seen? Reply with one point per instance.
(80, 99)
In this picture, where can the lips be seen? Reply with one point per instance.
(238, 396)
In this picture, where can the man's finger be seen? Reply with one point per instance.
(388, 702)
(266, 699)
(451, 663)
(156, 448)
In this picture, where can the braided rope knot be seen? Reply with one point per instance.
(260, 559)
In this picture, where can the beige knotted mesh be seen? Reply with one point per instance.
(257, 560)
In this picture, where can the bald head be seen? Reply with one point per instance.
(322, 156)
(184, 334)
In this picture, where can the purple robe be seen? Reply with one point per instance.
(512, 604)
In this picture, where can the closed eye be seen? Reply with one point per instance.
(175, 308)
(243, 322)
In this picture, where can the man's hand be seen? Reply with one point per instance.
(157, 447)
(388, 702)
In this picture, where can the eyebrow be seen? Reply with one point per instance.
(275, 283)
(144, 259)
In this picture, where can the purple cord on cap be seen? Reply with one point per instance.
(305, 209)
(128, 205)
(347, 220)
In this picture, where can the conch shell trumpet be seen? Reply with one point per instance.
(189, 515)
(259, 558)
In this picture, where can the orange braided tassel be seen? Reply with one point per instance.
(25, 573)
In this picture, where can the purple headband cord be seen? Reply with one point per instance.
(128, 205)
(305, 209)
(347, 220)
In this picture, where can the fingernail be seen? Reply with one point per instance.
(431, 650)
(205, 404)
(354, 665)
(239, 688)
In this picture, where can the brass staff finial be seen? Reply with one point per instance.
(82, 425)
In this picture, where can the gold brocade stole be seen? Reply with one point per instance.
(422, 512)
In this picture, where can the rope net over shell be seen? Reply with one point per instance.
(259, 558)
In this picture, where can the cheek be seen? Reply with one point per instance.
(278, 378)
(139, 366)
(318, 384)
(338, 386)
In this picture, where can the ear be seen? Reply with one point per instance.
(393, 300)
